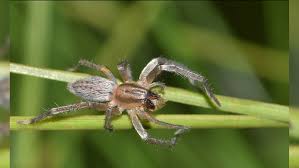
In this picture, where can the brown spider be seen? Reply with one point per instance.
(137, 98)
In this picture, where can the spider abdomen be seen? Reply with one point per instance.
(94, 89)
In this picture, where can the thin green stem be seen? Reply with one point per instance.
(194, 121)
(4, 69)
(294, 123)
(4, 155)
(293, 156)
(57, 75)
(229, 104)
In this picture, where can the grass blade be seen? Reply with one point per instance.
(194, 121)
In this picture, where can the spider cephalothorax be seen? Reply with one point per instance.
(137, 98)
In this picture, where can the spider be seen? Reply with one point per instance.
(138, 98)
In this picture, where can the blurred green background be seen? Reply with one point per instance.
(4, 84)
(242, 48)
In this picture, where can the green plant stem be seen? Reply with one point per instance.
(58, 75)
(293, 156)
(229, 104)
(294, 123)
(4, 69)
(194, 121)
(4, 155)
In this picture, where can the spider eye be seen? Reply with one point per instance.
(149, 104)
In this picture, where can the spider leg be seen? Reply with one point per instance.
(62, 109)
(125, 71)
(143, 133)
(180, 129)
(101, 68)
(110, 112)
(157, 84)
(157, 65)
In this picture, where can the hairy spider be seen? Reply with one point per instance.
(137, 98)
